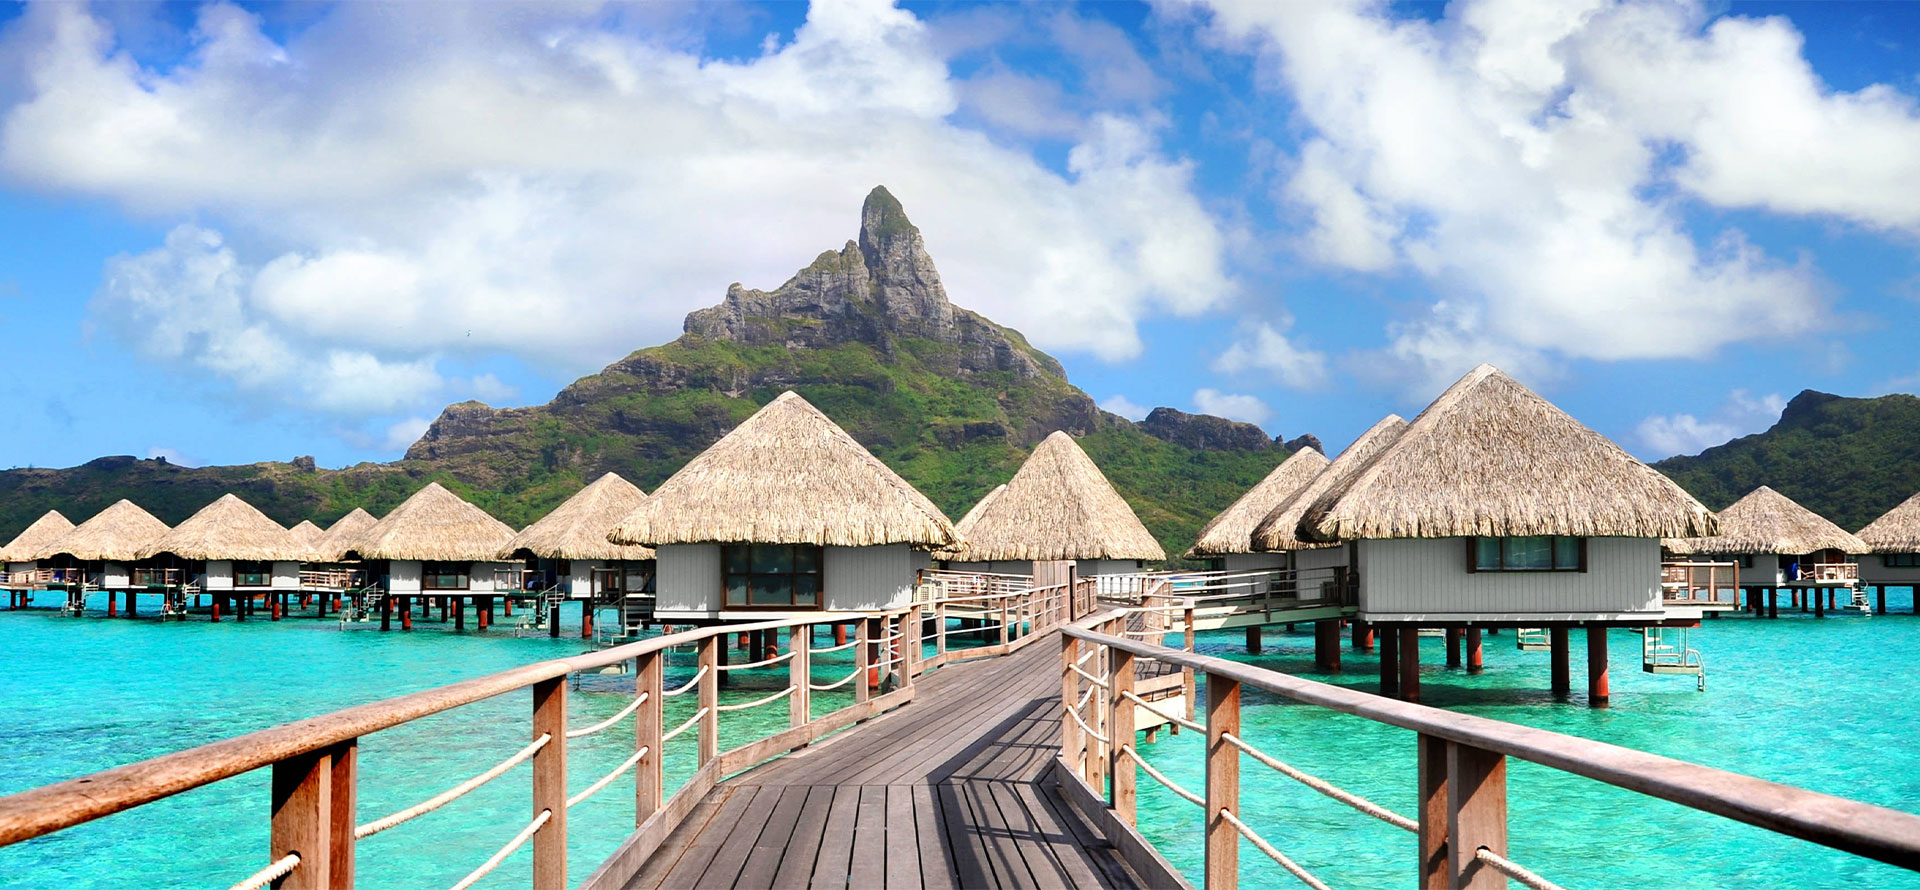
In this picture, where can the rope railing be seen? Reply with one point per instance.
(1075, 714)
(690, 684)
(1170, 718)
(594, 788)
(741, 667)
(783, 693)
(278, 869)
(494, 861)
(836, 684)
(638, 700)
(846, 645)
(1161, 777)
(1514, 870)
(1324, 787)
(361, 832)
(1292, 867)
(670, 736)
(1095, 680)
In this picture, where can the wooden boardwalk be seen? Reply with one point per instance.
(945, 792)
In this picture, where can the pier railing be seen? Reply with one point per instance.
(1461, 824)
(314, 823)
(1699, 583)
(1829, 573)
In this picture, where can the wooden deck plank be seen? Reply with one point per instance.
(699, 853)
(930, 836)
(835, 862)
(803, 847)
(870, 848)
(730, 856)
(902, 839)
(972, 863)
(763, 861)
(677, 843)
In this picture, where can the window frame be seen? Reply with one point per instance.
(266, 576)
(819, 574)
(427, 571)
(1553, 556)
(1900, 560)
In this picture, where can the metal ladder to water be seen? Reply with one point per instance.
(1859, 602)
(1658, 656)
(1531, 639)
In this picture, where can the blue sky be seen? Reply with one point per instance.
(237, 233)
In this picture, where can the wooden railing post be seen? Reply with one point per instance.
(940, 627)
(799, 674)
(1070, 741)
(1006, 633)
(1463, 807)
(1098, 751)
(1223, 783)
(863, 660)
(550, 784)
(1120, 730)
(1186, 673)
(649, 781)
(709, 693)
(313, 813)
(1432, 772)
(910, 644)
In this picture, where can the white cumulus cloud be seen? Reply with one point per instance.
(1742, 413)
(1124, 407)
(1266, 347)
(1232, 406)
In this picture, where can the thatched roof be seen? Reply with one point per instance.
(306, 533)
(958, 551)
(578, 528)
(1280, 528)
(45, 531)
(1491, 457)
(1766, 521)
(435, 524)
(342, 535)
(228, 528)
(117, 534)
(787, 475)
(1058, 506)
(1232, 530)
(1896, 532)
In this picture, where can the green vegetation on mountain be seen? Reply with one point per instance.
(1849, 460)
(950, 400)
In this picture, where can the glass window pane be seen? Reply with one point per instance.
(737, 561)
(1529, 553)
(806, 559)
(806, 590)
(1566, 553)
(771, 558)
(772, 590)
(737, 590)
(1487, 554)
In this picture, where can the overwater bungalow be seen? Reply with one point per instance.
(230, 551)
(19, 566)
(437, 545)
(328, 566)
(306, 533)
(1894, 541)
(1279, 530)
(569, 548)
(104, 553)
(1779, 544)
(785, 514)
(1495, 508)
(1226, 541)
(1057, 507)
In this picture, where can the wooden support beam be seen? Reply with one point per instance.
(1598, 688)
(712, 655)
(1432, 801)
(1223, 783)
(1409, 664)
(312, 815)
(1562, 670)
(1453, 647)
(1070, 740)
(1476, 661)
(1120, 729)
(1253, 640)
(1389, 659)
(649, 780)
(550, 784)
(1326, 645)
(799, 674)
(459, 612)
(1476, 816)
(1363, 636)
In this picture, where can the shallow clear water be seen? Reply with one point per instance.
(1830, 705)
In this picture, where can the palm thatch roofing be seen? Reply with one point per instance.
(1280, 528)
(1896, 532)
(45, 531)
(1232, 530)
(306, 532)
(228, 528)
(342, 535)
(786, 475)
(1057, 506)
(117, 534)
(578, 528)
(1491, 457)
(958, 551)
(435, 524)
(1766, 521)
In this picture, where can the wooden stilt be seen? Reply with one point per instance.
(276, 607)
(1363, 636)
(215, 613)
(386, 613)
(1409, 664)
(1453, 647)
(1562, 672)
(1598, 688)
(481, 610)
(1389, 659)
(840, 635)
(586, 619)
(1880, 599)
(459, 613)
(1326, 645)
(133, 604)
(1475, 662)
(406, 613)
(720, 648)
(112, 598)
(1773, 603)
(1253, 640)
(1819, 603)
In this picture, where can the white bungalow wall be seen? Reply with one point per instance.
(688, 581)
(286, 575)
(1245, 563)
(219, 575)
(403, 576)
(1873, 570)
(1426, 579)
(115, 576)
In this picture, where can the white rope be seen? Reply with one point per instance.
(684, 726)
(1162, 779)
(494, 861)
(637, 700)
(1292, 867)
(1083, 659)
(280, 867)
(835, 685)
(451, 794)
(1075, 714)
(1097, 681)
(846, 645)
(1324, 787)
(754, 704)
(1084, 698)
(690, 683)
(974, 630)
(1170, 718)
(1514, 870)
(609, 777)
(741, 667)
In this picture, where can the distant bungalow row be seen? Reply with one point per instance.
(1491, 509)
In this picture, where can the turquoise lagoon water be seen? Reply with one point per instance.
(1832, 705)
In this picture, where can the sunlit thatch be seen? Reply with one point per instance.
(44, 532)
(956, 552)
(1232, 530)
(1766, 521)
(1280, 528)
(342, 535)
(306, 533)
(578, 528)
(117, 534)
(1058, 506)
(435, 524)
(1491, 457)
(228, 528)
(1896, 532)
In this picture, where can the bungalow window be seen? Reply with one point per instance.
(443, 576)
(1902, 560)
(1532, 553)
(761, 576)
(252, 574)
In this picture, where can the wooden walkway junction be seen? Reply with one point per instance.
(999, 747)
